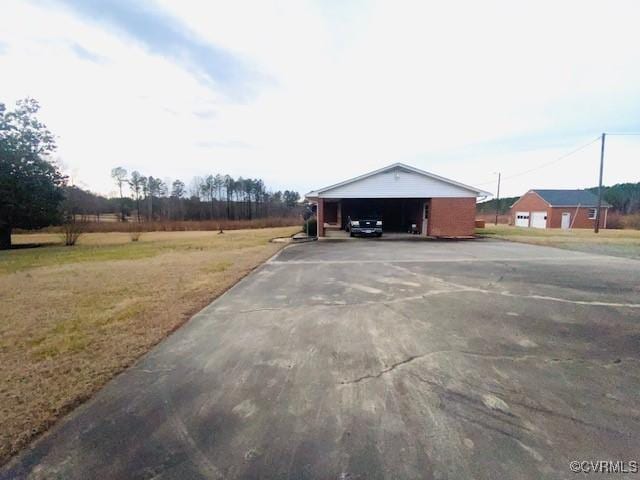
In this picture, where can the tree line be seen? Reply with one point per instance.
(34, 193)
(31, 188)
(212, 197)
(623, 197)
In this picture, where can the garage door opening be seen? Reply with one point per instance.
(397, 214)
(522, 219)
(539, 219)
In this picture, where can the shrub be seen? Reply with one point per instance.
(631, 221)
(491, 218)
(71, 232)
(135, 230)
(310, 227)
(614, 220)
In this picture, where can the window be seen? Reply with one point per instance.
(591, 213)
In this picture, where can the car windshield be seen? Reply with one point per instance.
(367, 216)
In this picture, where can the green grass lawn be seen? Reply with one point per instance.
(619, 243)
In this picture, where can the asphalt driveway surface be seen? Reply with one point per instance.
(372, 359)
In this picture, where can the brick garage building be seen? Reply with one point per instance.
(403, 196)
(558, 209)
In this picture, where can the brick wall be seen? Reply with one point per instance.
(320, 217)
(419, 215)
(452, 217)
(529, 202)
(579, 217)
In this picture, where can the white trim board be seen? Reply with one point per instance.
(397, 181)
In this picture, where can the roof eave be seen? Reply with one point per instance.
(479, 193)
(580, 205)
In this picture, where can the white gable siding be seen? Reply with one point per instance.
(397, 183)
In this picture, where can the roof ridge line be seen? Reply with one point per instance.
(401, 165)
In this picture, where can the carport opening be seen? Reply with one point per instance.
(397, 214)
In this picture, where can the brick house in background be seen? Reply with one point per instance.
(558, 209)
(403, 196)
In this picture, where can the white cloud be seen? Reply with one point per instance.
(462, 89)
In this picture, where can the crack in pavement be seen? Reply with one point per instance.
(475, 404)
(388, 369)
(456, 288)
(482, 355)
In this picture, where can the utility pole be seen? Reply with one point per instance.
(597, 226)
(498, 199)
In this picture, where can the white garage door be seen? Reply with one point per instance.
(522, 219)
(539, 219)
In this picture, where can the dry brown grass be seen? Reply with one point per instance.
(630, 221)
(73, 317)
(491, 218)
(180, 226)
(621, 243)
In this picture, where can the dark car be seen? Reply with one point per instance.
(369, 224)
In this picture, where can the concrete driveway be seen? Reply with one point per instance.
(369, 359)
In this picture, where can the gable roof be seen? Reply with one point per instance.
(570, 198)
(401, 166)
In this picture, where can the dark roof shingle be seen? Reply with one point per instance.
(570, 198)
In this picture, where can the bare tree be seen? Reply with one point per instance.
(218, 183)
(209, 192)
(72, 228)
(137, 183)
(177, 192)
(229, 185)
(119, 175)
(195, 187)
(154, 187)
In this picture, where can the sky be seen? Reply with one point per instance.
(304, 94)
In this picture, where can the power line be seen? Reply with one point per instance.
(562, 157)
(484, 183)
(624, 133)
(596, 227)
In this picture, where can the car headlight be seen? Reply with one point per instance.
(354, 224)
(379, 223)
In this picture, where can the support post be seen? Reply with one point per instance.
(597, 226)
(320, 218)
(498, 199)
